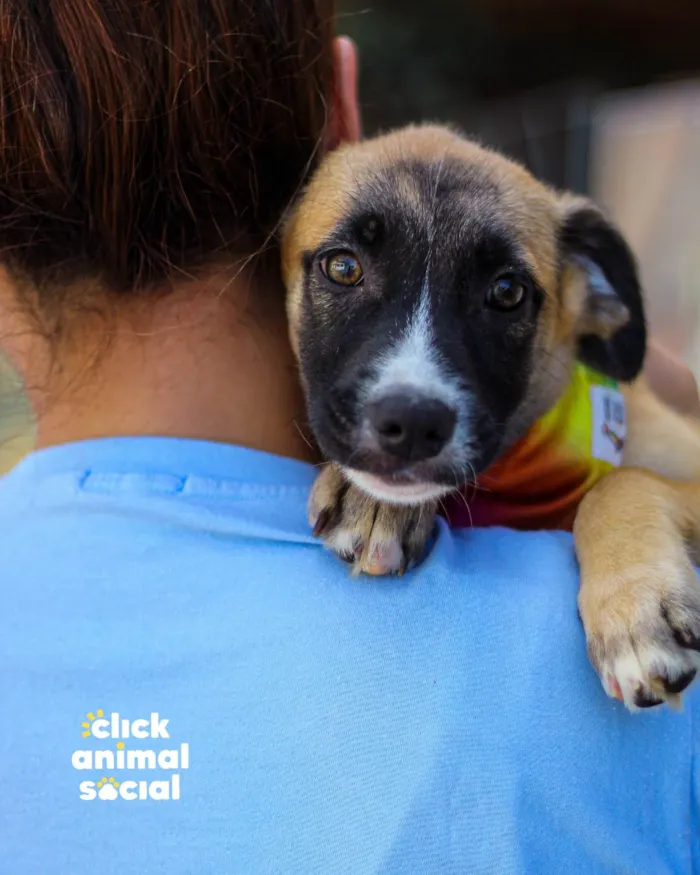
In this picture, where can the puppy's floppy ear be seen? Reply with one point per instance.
(609, 321)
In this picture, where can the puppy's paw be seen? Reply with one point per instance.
(640, 595)
(375, 537)
(643, 628)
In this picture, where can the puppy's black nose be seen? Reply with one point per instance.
(411, 427)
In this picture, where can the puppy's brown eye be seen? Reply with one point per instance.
(507, 293)
(343, 269)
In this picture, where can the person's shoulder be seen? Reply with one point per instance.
(504, 579)
(527, 564)
(498, 543)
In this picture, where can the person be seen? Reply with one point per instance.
(189, 682)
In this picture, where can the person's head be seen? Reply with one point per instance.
(147, 147)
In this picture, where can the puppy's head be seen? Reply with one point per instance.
(437, 297)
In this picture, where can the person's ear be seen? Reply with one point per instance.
(610, 323)
(344, 117)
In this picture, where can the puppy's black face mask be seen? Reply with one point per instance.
(416, 339)
(422, 329)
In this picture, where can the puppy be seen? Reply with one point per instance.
(462, 329)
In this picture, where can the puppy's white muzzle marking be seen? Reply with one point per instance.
(399, 493)
(414, 365)
(414, 361)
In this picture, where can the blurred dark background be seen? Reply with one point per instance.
(523, 75)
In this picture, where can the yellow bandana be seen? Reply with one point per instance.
(539, 482)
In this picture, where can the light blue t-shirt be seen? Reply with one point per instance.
(190, 684)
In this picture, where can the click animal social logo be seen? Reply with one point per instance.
(128, 765)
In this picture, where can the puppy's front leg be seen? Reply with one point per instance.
(637, 536)
(376, 537)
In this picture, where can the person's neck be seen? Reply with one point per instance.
(206, 362)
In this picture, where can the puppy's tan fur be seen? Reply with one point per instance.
(638, 530)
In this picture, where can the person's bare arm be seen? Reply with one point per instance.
(672, 380)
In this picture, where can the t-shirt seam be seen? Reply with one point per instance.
(191, 486)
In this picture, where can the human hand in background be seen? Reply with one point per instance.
(672, 380)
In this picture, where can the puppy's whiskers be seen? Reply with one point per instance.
(463, 498)
(306, 440)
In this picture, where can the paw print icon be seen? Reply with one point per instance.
(107, 788)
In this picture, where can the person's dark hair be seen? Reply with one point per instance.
(139, 138)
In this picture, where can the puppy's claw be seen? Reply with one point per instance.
(381, 557)
(322, 522)
(676, 686)
(612, 688)
(648, 676)
(641, 663)
(644, 699)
